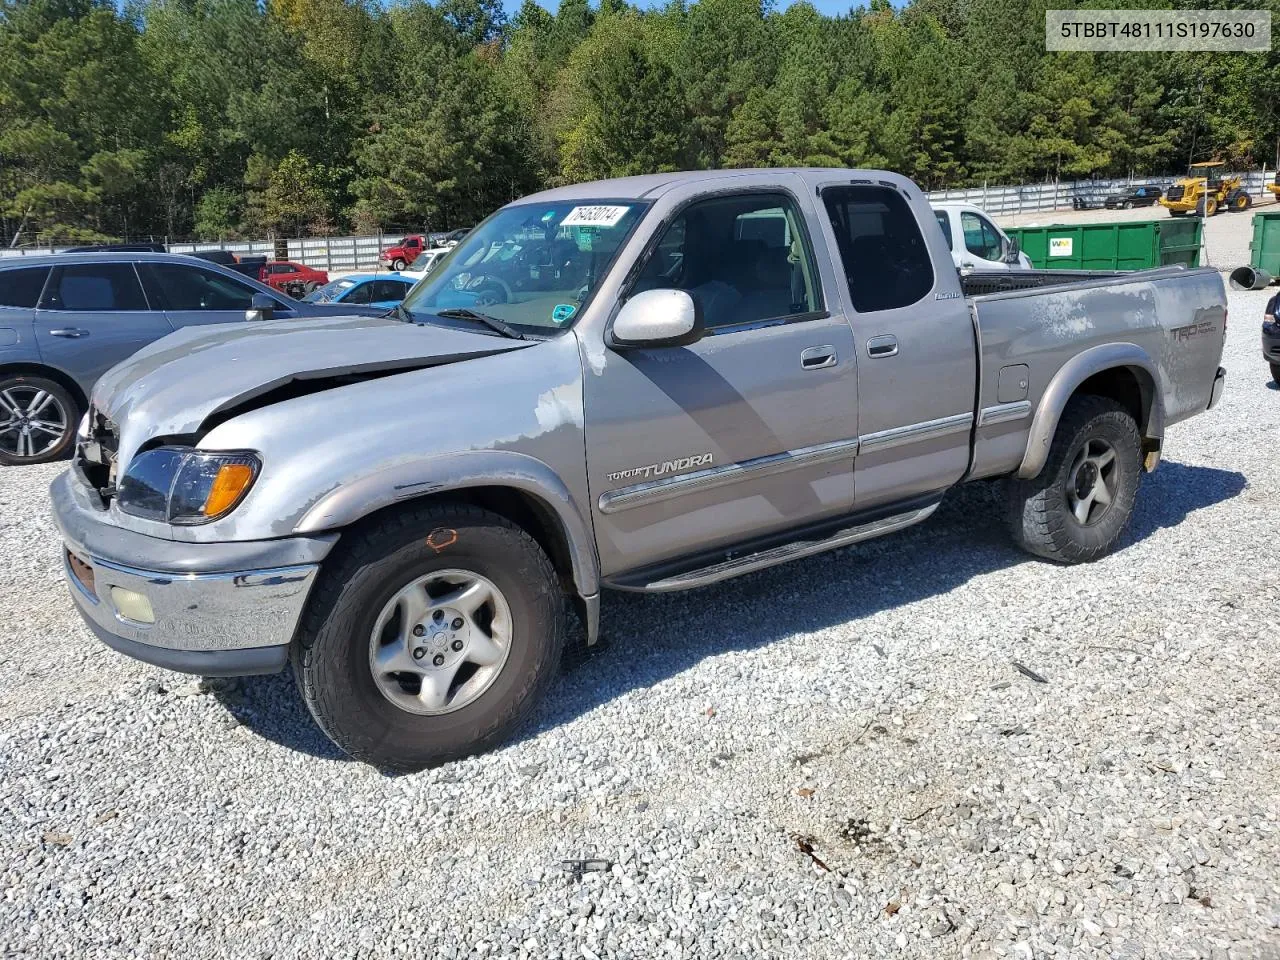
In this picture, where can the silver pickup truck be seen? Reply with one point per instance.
(653, 383)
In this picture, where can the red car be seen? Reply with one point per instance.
(295, 279)
(404, 252)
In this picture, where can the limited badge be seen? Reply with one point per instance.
(563, 312)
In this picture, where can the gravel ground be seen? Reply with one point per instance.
(926, 746)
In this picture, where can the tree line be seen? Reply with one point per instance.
(219, 119)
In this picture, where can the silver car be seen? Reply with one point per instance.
(646, 384)
(66, 319)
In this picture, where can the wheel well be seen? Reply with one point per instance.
(526, 511)
(1130, 388)
(49, 373)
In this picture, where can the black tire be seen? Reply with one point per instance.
(1177, 213)
(397, 264)
(1039, 512)
(25, 390)
(1275, 373)
(1126, 205)
(331, 654)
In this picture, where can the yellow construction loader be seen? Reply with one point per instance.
(1204, 191)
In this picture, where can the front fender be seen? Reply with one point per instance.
(459, 471)
(1066, 381)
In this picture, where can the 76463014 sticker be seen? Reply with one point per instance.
(604, 215)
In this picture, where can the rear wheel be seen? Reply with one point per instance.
(37, 420)
(1240, 201)
(1207, 207)
(431, 637)
(1077, 507)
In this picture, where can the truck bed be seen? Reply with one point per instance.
(981, 282)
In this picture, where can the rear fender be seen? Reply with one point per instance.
(1067, 380)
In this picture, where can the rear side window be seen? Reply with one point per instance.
(193, 288)
(21, 287)
(94, 288)
(886, 261)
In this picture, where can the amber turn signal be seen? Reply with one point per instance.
(232, 480)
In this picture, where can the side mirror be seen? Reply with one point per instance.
(261, 307)
(657, 318)
(1012, 250)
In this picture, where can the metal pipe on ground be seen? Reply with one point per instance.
(1249, 278)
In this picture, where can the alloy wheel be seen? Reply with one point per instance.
(440, 642)
(32, 421)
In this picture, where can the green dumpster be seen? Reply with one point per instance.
(1136, 245)
(1264, 248)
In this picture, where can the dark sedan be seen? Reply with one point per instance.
(1132, 197)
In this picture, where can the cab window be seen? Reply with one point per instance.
(743, 258)
(980, 237)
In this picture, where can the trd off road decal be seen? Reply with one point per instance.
(655, 470)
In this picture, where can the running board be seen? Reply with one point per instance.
(762, 559)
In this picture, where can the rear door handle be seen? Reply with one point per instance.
(880, 347)
(817, 358)
(70, 333)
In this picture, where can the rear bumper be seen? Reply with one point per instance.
(216, 609)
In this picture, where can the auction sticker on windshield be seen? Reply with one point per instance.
(598, 216)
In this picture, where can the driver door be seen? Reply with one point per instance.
(749, 431)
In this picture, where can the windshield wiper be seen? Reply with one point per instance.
(493, 323)
(400, 313)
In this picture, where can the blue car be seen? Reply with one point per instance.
(367, 289)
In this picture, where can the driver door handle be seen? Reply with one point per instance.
(880, 347)
(818, 358)
(70, 333)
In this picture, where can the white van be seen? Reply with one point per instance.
(976, 243)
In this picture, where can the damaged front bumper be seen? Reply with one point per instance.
(214, 609)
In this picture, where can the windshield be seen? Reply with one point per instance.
(532, 266)
(330, 291)
(425, 260)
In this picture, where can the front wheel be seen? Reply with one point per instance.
(1275, 373)
(431, 637)
(1076, 508)
(37, 420)
(397, 264)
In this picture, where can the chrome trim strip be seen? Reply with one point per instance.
(789, 551)
(656, 491)
(1004, 412)
(915, 432)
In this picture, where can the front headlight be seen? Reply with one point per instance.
(186, 486)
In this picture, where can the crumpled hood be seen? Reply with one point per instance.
(174, 385)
